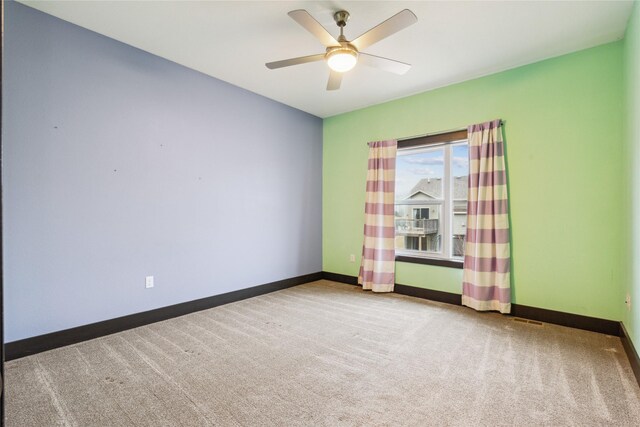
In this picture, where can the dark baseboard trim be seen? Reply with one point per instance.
(577, 321)
(341, 278)
(430, 294)
(632, 354)
(33, 345)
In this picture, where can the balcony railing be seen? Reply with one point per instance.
(416, 226)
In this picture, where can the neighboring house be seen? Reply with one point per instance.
(418, 227)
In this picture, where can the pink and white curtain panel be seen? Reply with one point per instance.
(486, 275)
(377, 268)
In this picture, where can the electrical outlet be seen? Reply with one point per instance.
(148, 282)
(352, 258)
(627, 301)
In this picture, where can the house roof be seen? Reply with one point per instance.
(432, 187)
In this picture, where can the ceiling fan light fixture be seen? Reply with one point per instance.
(342, 59)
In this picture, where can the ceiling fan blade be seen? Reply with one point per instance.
(385, 64)
(294, 61)
(303, 18)
(335, 78)
(391, 26)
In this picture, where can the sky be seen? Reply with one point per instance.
(429, 164)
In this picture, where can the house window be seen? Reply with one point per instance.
(421, 213)
(431, 197)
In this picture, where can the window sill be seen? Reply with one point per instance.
(429, 261)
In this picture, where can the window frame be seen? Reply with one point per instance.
(447, 141)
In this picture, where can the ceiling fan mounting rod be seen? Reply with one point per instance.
(341, 17)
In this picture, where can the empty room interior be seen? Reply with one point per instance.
(320, 213)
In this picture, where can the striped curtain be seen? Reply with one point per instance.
(486, 284)
(377, 268)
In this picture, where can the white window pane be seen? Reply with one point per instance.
(460, 159)
(420, 175)
(460, 172)
(419, 228)
(431, 208)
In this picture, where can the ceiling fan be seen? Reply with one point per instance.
(341, 54)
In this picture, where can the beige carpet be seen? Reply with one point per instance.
(329, 354)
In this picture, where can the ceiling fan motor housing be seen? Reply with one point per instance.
(345, 47)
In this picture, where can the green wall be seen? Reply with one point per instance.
(563, 136)
(631, 59)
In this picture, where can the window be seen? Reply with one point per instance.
(431, 197)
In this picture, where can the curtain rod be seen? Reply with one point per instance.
(444, 132)
(431, 134)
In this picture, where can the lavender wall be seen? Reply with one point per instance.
(119, 164)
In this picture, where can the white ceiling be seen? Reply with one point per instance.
(452, 41)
